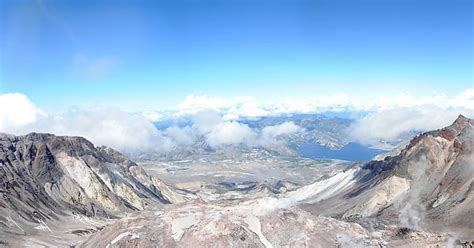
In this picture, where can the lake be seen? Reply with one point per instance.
(350, 152)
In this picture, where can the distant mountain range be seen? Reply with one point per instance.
(330, 132)
(324, 136)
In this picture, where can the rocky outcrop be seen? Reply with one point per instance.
(46, 176)
(429, 184)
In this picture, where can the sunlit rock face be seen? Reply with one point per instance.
(428, 185)
(439, 168)
(53, 176)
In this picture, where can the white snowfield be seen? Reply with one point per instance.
(324, 189)
(312, 193)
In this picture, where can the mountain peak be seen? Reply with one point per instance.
(451, 132)
(462, 120)
(458, 126)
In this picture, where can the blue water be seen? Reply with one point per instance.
(350, 152)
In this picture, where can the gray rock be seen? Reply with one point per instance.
(46, 176)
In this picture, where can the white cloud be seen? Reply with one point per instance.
(270, 134)
(464, 99)
(218, 131)
(182, 136)
(152, 115)
(130, 132)
(336, 102)
(230, 132)
(214, 120)
(390, 125)
(206, 120)
(127, 132)
(232, 108)
(110, 127)
(389, 119)
(282, 129)
(245, 106)
(16, 111)
(193, 104)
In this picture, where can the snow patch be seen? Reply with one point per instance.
(255, 226)
(118, 238)
(325, 188)
(179, 226)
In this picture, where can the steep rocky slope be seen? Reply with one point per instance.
(428, 185)
(44, 178)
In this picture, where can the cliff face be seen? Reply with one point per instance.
(439, 168)
(429, 184)
(46, 176)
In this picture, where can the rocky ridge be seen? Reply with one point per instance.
(45, 178)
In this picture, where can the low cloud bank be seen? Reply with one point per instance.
(217, 131)
(394, 124)
(110, 127)
(132, 133)
(390, 119)
(245, 106)
(214, 120)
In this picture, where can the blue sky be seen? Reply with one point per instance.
(151, 54)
